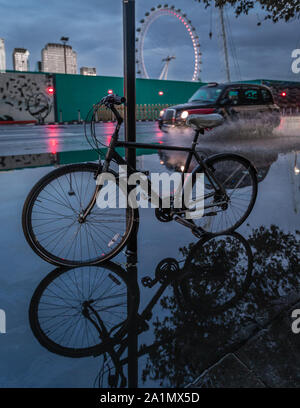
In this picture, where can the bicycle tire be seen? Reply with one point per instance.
(115, 273)
(213, 163)
(32, 202)
(208, 305)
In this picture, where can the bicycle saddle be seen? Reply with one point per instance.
(205, 121)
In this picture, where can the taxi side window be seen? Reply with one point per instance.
(234, 96)
(251, 97)
(266, 96)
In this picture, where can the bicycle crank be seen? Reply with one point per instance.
(198, 231)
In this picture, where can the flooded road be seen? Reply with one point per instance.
(229, 287)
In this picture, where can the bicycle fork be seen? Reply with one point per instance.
(102, 169)
(104, 336)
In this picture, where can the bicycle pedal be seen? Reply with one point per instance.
(147, 316)
(184, 222)
(148, 282)
(199, 232)
(143, 326)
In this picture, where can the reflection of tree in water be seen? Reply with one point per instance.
(201, 338)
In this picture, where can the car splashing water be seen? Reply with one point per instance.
(289, 126)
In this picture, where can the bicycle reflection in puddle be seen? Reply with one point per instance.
(219, 288)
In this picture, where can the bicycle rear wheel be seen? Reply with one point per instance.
(77, 312)
(239, 179)
(217, 273)
(51, 219)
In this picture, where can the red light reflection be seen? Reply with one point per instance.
(53, 133)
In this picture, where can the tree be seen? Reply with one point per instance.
(275, 10)
(191, 340)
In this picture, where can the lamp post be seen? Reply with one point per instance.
(129, 88)
(130, 135)
(129, 75)
(64, 41)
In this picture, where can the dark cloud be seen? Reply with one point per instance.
(95, 31)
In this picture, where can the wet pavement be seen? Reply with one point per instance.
(227, 325)
(29, 139)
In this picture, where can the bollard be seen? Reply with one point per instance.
(79, 118)
(60, 116)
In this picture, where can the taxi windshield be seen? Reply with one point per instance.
(207, 94)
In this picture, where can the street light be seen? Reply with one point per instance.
(65, 40)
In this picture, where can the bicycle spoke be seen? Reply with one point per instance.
(61, 303)
(56, 220)
(223, 213)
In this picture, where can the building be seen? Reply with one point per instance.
(59, 58)
(2, 56)
(88, 71)
(20, 59)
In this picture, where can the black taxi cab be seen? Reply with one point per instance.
(233, 101)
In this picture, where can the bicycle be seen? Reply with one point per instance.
(87, 311)
(64, 226)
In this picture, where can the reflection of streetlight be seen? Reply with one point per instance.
(296, 168)
(65, 40)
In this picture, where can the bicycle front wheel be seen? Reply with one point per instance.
(52, 225)
(77, 312)
(238, 177)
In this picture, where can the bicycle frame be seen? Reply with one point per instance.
(116, 345)
(113, 155)
(119, 338)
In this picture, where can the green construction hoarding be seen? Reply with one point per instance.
(75, 93)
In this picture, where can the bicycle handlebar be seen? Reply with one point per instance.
(110, 100)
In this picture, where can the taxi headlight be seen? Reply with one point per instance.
(184, 115)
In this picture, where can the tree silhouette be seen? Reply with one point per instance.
(274, 10)
(200, 337)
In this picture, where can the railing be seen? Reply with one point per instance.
(143, 112)
(151, 112)
(290, 110)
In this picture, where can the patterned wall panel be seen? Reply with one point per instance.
(25, 96)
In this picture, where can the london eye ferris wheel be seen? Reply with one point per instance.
(145, 23)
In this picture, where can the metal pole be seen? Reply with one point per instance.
(225, 44)
(65, 58)
(129, 84)
(129, 74)
(130, 135)
(132, 296)
(64, 41)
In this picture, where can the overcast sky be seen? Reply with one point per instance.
(95, 31)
